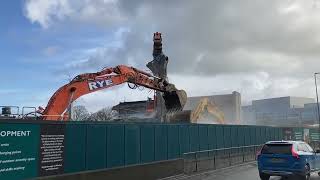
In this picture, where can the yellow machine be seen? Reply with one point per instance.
(209, 109)
(205, 110)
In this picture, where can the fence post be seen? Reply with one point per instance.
(255, 151)
(243, 154)
(229, 157)
(196, 159)
(214, 161)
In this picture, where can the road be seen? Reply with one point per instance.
(244, 172)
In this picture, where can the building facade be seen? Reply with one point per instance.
(229, 104)
(281, 111)
(135, 109)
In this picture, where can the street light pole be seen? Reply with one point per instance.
(318, 109)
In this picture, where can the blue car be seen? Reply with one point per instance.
(287, 159)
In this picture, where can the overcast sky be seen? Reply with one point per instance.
(260, 48)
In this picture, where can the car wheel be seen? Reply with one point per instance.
(306, 176)
(264, 176)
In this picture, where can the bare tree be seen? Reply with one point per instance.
(80, 113)
(104, 114)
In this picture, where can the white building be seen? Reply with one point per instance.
(229, 104)
(281, 111)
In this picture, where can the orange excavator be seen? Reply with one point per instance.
(174, 99)
(60, 102)
(57, 108)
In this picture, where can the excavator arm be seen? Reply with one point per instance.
(204, 106)
(91, 82)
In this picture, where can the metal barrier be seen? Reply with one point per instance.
(315, 145)
(218, 158)
(13, 112)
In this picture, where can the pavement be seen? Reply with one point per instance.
(242, 172)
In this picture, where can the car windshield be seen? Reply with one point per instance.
(276, 149)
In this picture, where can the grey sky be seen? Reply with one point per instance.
(262, 48)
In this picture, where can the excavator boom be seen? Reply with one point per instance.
(91, 82)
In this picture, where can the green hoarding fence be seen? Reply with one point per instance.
(90, 146)
(132, 144)
(115, 145)
(203, 137)
(314, 134)
(184, 139)
(19, 146)
(96, 149)
(212, 137)
(161, 142)
(147, 140)
(173, 142)
(75, 155)
(194, 137)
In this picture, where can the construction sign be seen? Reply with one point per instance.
(28, 150)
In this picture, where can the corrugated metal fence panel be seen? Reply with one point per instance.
(96, 155)
(234, 136)
(263, 135)
(194, 138)
(253, 137)
(115, 144)
(147, 143)
(220, 136)
(203, 137)
(161, 142)
(75, 155)
(278, 134)
(314, 134)
(258, 138)
(212, 137)
(241, 136)
(227, 136)
(132, 144)
(274, 134)
(184, 140)
(173, 142)
(246, 135)
(269, 133)
(281, 134)
(298, 134)
(91, 146)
